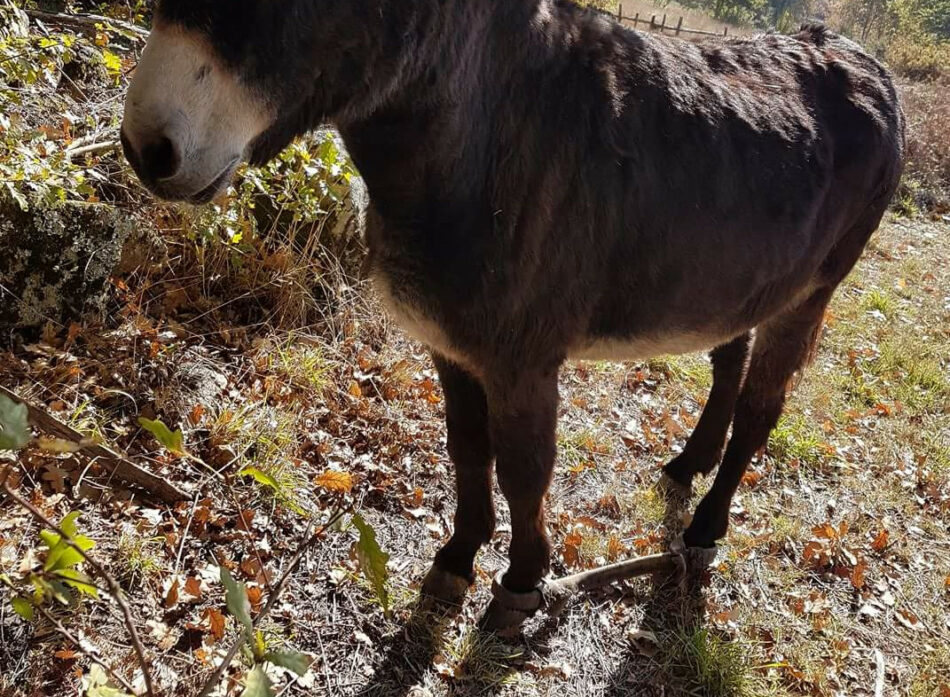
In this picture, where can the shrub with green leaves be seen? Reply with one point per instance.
(58, 579)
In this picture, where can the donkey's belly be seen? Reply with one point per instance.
(642, 347)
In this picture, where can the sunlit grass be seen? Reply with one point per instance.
(709, 665)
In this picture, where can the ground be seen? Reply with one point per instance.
(834, 578)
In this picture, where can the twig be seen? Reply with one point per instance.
(878, 673)
(85, 22)
(92, 149)
(118, 465)
(114, 587)
(271, 599)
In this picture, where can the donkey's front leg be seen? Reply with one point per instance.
(522, 417)
(469, 444)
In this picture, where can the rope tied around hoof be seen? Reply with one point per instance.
(509, 609)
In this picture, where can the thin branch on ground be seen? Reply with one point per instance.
(119, 466)
(114, 587)
(316, 537)
(92, 149)
(58, 626)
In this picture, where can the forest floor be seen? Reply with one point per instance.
(834, 578)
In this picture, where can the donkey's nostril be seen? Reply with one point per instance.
(160, 159)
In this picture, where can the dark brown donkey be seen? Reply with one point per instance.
(546, 184)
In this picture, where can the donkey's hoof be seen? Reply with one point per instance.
(444, 586)
(692, 560)
(509, 609)
(503, 621)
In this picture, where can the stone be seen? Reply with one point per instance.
(55, 262)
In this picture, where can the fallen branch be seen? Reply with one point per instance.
(85, 22)
(117, 465)
(92, 149)
(114, 587)
(215, 678)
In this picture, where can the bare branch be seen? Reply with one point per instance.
(92, 149)
(85, 23)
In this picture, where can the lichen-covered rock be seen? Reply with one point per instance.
(55, 262)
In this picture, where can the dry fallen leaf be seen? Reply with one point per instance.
(196, 414)
(572, 546)
(558, 669)
(909, 620)
(171, 598)
(254, 594)
(331, 480)
(216, 622)
(193, 587)
(645, 641)
(857, 575)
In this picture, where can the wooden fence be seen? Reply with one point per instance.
(660, 25)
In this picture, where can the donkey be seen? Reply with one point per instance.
(547, 185)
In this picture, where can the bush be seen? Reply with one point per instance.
(919, 57)
(927, 177)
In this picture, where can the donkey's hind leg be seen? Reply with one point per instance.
(703, 450)
(782, 346)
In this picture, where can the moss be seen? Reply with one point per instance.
(55, 262)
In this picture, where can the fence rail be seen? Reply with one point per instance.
(662, 27)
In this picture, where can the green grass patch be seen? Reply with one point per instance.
(797, 437)
(877, 300)
(912, 372)
(709, 665)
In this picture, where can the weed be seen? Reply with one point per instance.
(797, 438)
(485, 659)
(709, 664)
(141, 556)
(877, 300)
(649, 506)
(303, 364)
(578, 447)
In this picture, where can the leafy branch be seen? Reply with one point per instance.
(76, 546)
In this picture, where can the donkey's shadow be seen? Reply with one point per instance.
(673, 609)
(408, 654)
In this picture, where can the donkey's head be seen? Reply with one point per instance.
(222, 81)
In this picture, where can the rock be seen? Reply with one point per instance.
(55, 262)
